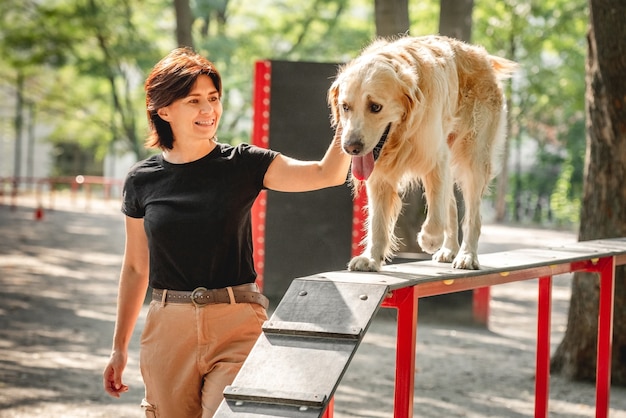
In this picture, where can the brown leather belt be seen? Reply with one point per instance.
(245, 293)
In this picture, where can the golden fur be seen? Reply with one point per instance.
(439, 104)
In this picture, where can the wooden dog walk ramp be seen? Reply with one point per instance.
(306, 346)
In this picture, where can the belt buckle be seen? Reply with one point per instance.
(198, 293)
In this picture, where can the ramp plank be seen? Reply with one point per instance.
(306, 347)
(334, 305)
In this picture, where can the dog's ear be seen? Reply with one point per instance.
(412, 95)
(333, 97)
(408, 103)
(412, 98)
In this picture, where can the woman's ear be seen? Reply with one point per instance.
(164, 114)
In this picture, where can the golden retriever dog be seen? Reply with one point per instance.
(427, 110)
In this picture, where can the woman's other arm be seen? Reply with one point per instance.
(131, 294)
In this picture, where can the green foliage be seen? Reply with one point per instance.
(88, 58)
(34, 33)
(424, 17)
(85, 62)
(564, 201)
(547, 39)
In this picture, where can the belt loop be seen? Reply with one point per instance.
(163, 297)
(231, 295)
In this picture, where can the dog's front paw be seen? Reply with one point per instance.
(363, 263)
(429, 242)
(444, 255)
(466, 261)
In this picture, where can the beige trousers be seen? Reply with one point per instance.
(190, 354)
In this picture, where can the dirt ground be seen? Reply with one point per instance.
(57, 310)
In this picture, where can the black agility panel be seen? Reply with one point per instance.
(305, 233)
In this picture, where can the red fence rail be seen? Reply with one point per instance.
(85, 186)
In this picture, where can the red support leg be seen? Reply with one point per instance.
(329, 409)
(542, 370)
(480, 305)
(605, 335)
(405, 300)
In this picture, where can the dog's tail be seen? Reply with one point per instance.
(503, 67)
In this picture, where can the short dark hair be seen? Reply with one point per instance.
(171, 79)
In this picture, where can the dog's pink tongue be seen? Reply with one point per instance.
(362, 167)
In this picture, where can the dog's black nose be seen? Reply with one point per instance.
(353, 149)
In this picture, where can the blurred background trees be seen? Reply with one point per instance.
(78, 66)
(75, 69)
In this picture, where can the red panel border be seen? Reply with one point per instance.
(260, 138)
(359, 215)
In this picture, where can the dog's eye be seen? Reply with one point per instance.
(375, 107)
(345, 107)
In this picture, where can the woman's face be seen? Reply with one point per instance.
(195, 117)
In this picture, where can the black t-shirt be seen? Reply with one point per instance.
(197, 215)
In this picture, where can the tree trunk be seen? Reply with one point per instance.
(603, 213)
(184, 19)
(392, 17)
(18, 123)
(455, 19)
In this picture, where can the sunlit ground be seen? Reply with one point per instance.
(57, 310)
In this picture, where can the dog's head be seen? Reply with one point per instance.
(371, 97)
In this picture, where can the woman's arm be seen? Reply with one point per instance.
(131, 294)
(290, 175)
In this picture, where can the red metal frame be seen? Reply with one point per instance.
(329, 413)
(358, 220)
(606, 268)
(480, 305)
(260, 138)
(405, 300)
(542, 368)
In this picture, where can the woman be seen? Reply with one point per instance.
(188, 236)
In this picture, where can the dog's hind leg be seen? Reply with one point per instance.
(384, 206)
(450, 247)
(467, 257)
